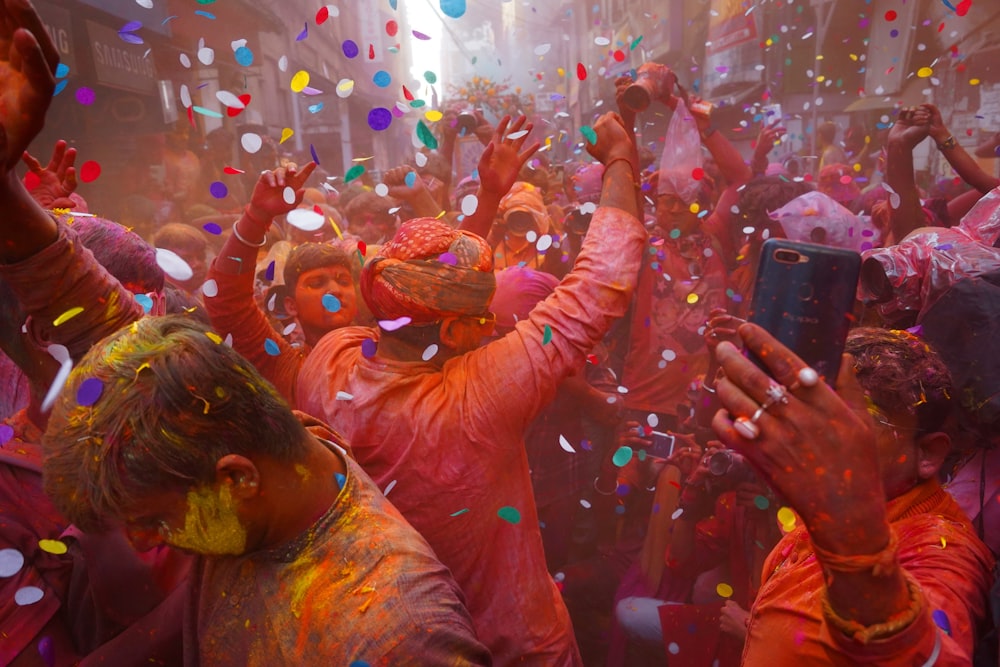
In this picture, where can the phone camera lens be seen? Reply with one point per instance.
(787, 256)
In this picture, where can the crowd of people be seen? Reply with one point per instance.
(507, 417)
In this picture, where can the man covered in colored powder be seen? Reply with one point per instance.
(164, 428)
(879, 565)
(441, 420)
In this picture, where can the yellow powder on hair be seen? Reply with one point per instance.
(211, 526)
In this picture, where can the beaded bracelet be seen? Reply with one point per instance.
(867, 633)
(881, 564)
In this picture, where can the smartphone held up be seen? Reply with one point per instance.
(804, 296)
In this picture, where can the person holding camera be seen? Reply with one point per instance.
(880, 565)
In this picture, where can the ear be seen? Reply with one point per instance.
(290, 306)
(450, 333)
(240, 474)
(932, 449)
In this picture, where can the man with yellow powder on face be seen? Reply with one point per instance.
(166, 429)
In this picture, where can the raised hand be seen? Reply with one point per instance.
(769, 135)
(613, 141)
(57, 181)
(503, 158)
(268, 198)
(912, 126)
(628, 115)
(27, 78)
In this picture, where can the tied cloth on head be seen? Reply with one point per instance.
(526, 198)
(429, 271)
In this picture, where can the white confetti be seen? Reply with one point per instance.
(544, 243)
(518, 135)
(186, 97)
(344, 396)
(382, 189)
(289, 329)
(28, 595)
(11, 562)
(210, 288)
(251, 142)
(564, 443)
(305, 219)
(653, 420)
(677, 513)
(173, 265)
(584, 503)
(470, 204)
(288, 194)
(542, 49)
(185, 61)
(206, 55)
(283, 63)
(344, 88)
(230, 100)
(421, 159)
(430, 352)
(389, 487)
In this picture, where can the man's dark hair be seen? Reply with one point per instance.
(309, 256)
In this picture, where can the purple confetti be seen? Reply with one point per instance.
(130, 38)
(350, 48)
(89, 392)
(379, 119)
(6, 433)
(269, 273)
(85, 96)
(368, 348)
(448, 258)
(131, 26)
(420, 35)
(304, 33)
(212, 228)
(218, 190)
(47, 651)
(312, 151)
(941, 620)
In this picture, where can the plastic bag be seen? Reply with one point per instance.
(681, 156)
(818, 218)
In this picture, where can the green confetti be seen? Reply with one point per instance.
(761, 502)
(547, 335)
(509, 514)
(622, 456)
(430, 77)
(426, 136)
(588, 132)
(635, 43)
(354, 172)
(460, 512)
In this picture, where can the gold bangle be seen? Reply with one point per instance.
(948, 144)
(239, 237)
(867, 633)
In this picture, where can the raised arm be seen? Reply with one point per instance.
(911, 127)
(959, 159)
(56, 182)
(499, 166)
(416, 195)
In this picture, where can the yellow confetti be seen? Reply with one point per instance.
(786, 516)
(336, 229)
(944, 542)
(821, 78)
(694, 208)
(974, 82)
(300, 81)
(67, 316)
(924, 72)
(345, 87)
(214, 337)
(724, 590)
(693, 298)
(286, 134)
(561, 72)
(52, 546)
(433, 115)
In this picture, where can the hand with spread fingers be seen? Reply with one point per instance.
(503, 158)
(57, 181)
(814, 445)
(268, 198)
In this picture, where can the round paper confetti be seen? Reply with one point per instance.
(331, 303)
(244, 56)
(379, 119)
(622, 456)
(925, 72)
(344, 88)
(433, 115)
(430, 77)
(251, 142)
(210, 288)
(724, 590)
(430, 352)
(470, 204)
(218, 190)
(786, 516)
(288, 195)
(89, 392)
(52, 546)
(542, 49)
(89, 171)
(673, 648)
(396, 324)
(85, 96)
(382, 79)
(145, 302)
(11, 562)
(271, 347)
(509, 514)
(382, 189)
(299, 81)
(453, 8)
(6, 433)
(368, 348)
(28, 595)
(350, 48)
(173, 265)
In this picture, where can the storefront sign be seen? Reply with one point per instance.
(119, 64)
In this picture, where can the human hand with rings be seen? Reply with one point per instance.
(813, 444)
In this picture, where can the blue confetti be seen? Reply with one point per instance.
(145, 302)
(411, 179)
(60, 87)
(208, 15)
(304, 33)
(269, 272)
(315, 108)
(271, 347)
(453, 8)
(341, 480)
(62, 70)
(312, 151)
(244, 56)
(331, 303)
(941, 620)
(392, 3)
(382, 79)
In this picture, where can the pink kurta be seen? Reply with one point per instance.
(447, 443)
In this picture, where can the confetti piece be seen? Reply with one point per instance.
(344, 396)
(581, 72)
(963, 7)
(6, 434)
(459, 512)
(564, 443)
(331, 303)
(173, 265)
(47, 651)
(313, 154)
(589, 134)
(430, 77)
(85, 96)
(761, 502)
(724, 590)
(52, 546)
(786, 516)
(453, 8)
(305, 219)
(509, 514)
(430, 352)
(542, 49)
(350, 48)
(470, 204)
(210, 288)
(244, 56)
(218, 190)
(426, 136)
(344, 88)
(382, 79)
(379, 119)
(214, 337)
(396, 324)
(622, 456)
(389, 487)
(251, 142)
(271, 347)
(28, 595)
(206, 112)
(67, 316)
(11, 562)
(546, 335)
(288, 194)
(299, 81)
(421, 36)
(354, 172)
(410, 179)
(368, 348)
(89, 392)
